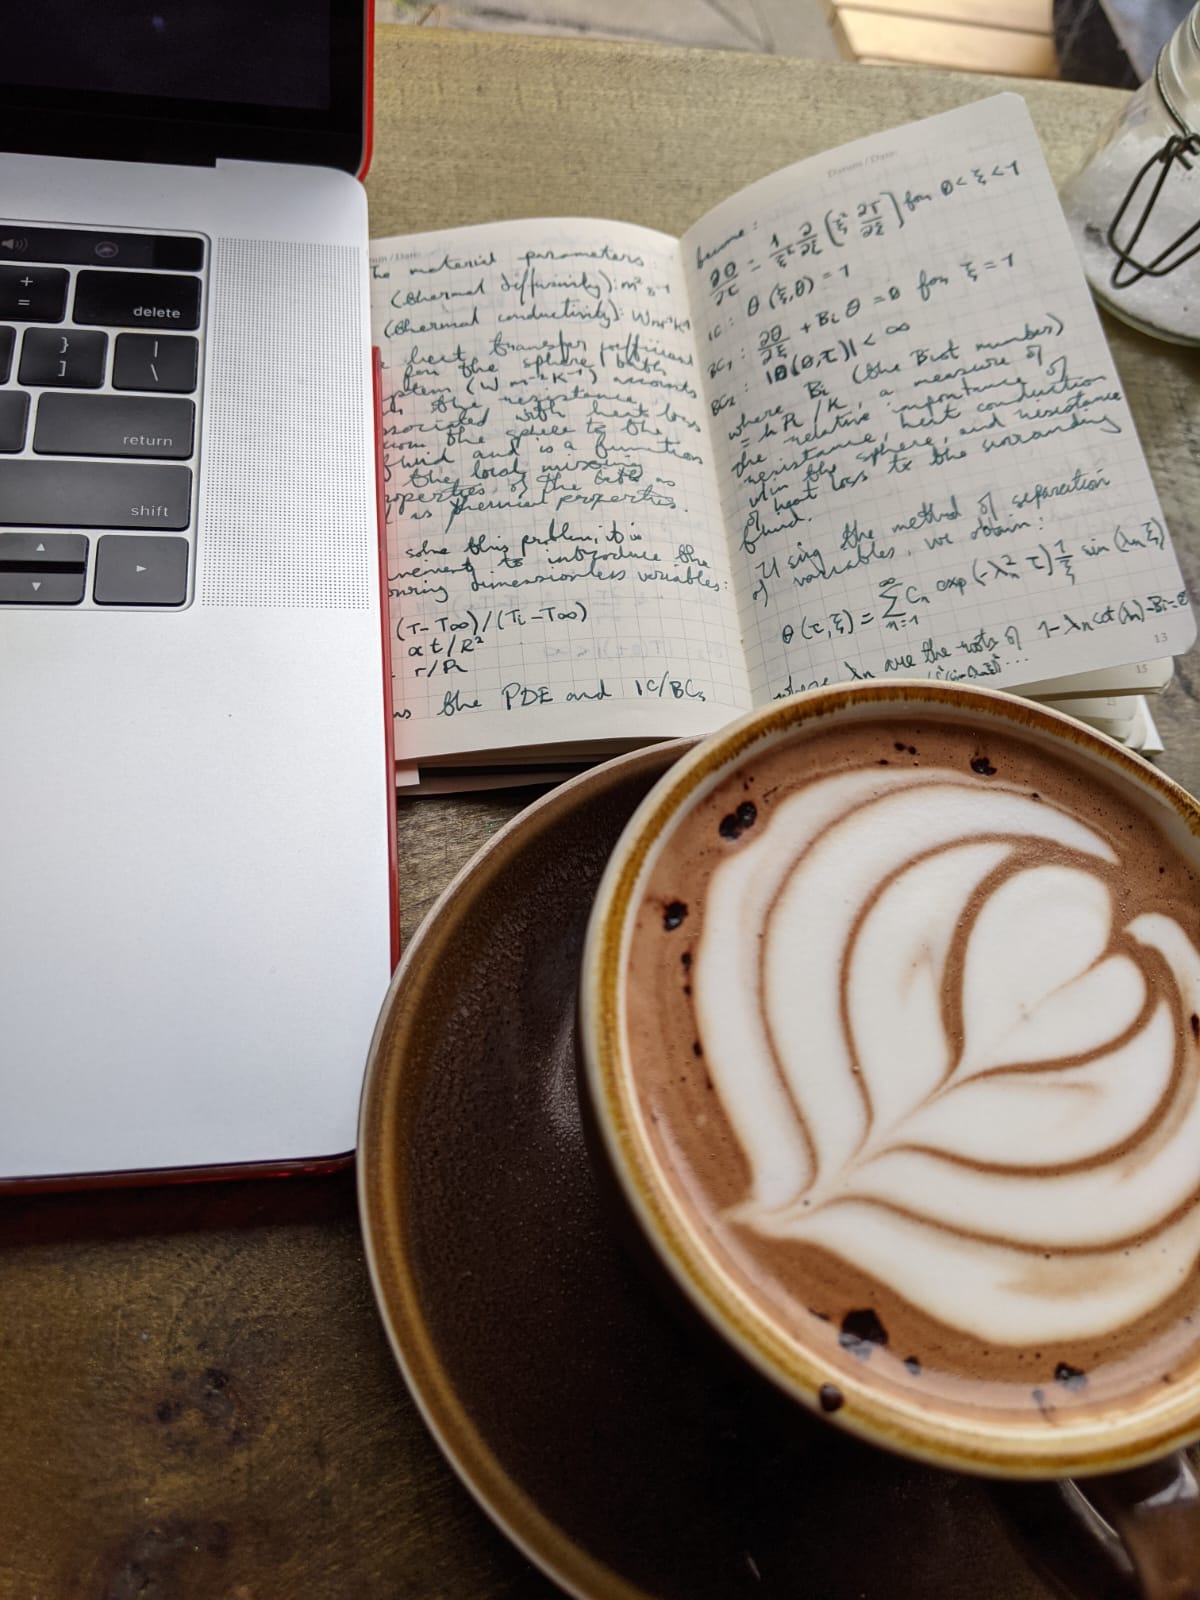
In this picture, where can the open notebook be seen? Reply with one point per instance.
(860, 421)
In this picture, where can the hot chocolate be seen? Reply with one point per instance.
(912, 1016)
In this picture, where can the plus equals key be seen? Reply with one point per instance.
(33, 294)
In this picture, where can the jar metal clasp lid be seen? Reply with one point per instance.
(1174, 154)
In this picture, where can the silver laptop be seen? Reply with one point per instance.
(196, 917)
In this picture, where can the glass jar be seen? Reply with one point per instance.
(1134, 210)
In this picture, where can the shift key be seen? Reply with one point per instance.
(90, 494)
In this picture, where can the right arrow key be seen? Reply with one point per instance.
(140, 570)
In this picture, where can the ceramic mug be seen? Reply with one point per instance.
(889, 1036)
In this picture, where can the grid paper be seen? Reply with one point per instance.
(928, 465)
(558, 570)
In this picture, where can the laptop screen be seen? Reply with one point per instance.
(186, 80)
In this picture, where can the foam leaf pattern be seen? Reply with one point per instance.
(945, 1061)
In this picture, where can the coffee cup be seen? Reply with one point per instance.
(890, 1027)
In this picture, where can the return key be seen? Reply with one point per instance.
(114, 425)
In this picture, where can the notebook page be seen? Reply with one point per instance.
(928, 466)
(1138, 678)
(557, 564)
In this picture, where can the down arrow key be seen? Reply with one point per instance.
(46, 589)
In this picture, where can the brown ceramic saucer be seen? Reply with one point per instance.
(624, 1457)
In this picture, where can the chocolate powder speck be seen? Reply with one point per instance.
(686, 959)
(673, 915)
(831, 1397)
(884, 762)
(1070, 1377)
(913, 1365)
(861, 1332)
(983, 767)
(735, 823)
(1195, 1022)
(697, 1048)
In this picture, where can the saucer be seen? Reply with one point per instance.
(625, 1457)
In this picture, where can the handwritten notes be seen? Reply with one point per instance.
(861, 421)
(927, 464)
(558, 570)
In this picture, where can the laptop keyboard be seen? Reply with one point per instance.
(100, 363)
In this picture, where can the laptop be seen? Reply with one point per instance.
(196, 900)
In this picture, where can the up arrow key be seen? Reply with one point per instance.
(40, 549)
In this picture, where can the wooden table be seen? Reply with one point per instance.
(196, 1399)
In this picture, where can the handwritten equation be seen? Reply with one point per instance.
(920, 436)
(548, 482)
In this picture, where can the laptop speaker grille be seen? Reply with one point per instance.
(287, 514)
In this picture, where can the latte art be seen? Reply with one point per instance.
(911, 1027)
(947, 1057)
